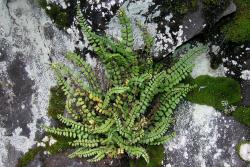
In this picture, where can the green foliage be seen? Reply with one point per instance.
(242, 114)
(211, 2)
(56, 102)
(181, 7)
(136, 109)
(147, 37)
(155, 153)
(239, 29)
(61, 145)
(213, 90)
(29, 156)
(59, 15)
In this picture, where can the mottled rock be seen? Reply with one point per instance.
(62, 160)
(246, 86)
(29, 41)
(170, 30)
(25, 75)
(205, 138)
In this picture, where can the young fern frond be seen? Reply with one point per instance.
(147, 37)
(126, 30)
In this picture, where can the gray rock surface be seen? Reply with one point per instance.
(205, 138)
(29, 41)
(170, 30)
(62, 160)
(246, 85)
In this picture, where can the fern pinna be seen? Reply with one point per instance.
(136, 109)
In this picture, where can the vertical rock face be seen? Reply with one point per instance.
(170, 29)
(28, 40)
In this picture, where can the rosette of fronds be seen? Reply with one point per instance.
(136, 109)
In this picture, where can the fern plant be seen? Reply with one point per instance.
(136, 109)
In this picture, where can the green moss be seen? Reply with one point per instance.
(29, 156)
(156, 154)
(57, 106)
(239, 29)
(212, 90)
(60, 146)
(59, 15)
(242, 114)
(57, 102)
(210, 3)
(181, 7)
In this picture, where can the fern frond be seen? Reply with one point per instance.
(126, 30)
(71, 133)
(73, 124)
(114, 90)
(164, 139)
(85, 69)
(147, 37)
(88, 143)
(137, 152)
(105, 127)
(85, 152)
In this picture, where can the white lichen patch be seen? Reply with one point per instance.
(245, 75)
(25, 31)
(202, 67)
(244, 151)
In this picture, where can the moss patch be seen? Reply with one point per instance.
(213, 90)
(242, 114)
(59, 15)
(180, 7)
(57, 106)
(57, 102)
(60, 146)
(29, 156)
(239, 29)
(156, 154)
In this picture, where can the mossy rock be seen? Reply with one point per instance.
(242, 114)
(156, 154)
(238, 30)
(29, 156)
(60, 16)
(61, 145)
(180, 7)
(213, 90)
(56, 102)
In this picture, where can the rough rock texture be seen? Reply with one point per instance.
(246, 83)
(61, 160)
(205, 138)
(170, 30)
(29, 41)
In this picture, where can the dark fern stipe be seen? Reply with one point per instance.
(135, 111)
